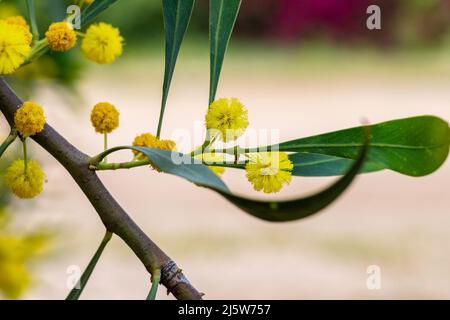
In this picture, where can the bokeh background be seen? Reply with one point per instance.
(301, 66)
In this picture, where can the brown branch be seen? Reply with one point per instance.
(114, 218)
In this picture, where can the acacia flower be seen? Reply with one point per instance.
(210, 158)
(22, 23)
(104, 117)
(228, 117)
(29, 119)
(14, 47)
(269, 171)
(150, 141)
(102, 43)
(25, 185)
(61, 36)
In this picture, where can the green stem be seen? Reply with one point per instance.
(25, 155)
(39, 49)
(122, 165)
(135, 164)
(156, 277)
(105, 146)
(78, 289)
(10, 139)
(32, 18)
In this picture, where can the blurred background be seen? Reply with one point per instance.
(301, 66)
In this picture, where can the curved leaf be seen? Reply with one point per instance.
(93, 10)
(413, 146)
(283, 211)
(275, 211)
(222, 17)
(177, 14)
(319, 165)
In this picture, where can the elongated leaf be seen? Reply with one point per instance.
(319, 165)
(275, 211)
(92, 11)
(283, 211)
(413, 146)
(76, 292)
(177, 14)
(222, 17)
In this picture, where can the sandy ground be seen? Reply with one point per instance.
(398, 223)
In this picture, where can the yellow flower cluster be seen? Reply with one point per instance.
(14, 46)
(25, 184)
(61, 36)
(29, 119)
(227, 119)
(102, 43)
(269, 171)
(104, 117)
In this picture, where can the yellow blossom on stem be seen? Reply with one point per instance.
(150, 141)
(25, 184)
(22, 23)
(14, 47)
(227, 118)
(29, 119)
(269, 171)
(61, 36)
(104, 117)
(102, 43)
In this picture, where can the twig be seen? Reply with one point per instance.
(115, 219)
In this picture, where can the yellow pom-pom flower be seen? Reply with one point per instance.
(269, 171)
(104, 117)
(25, 185)
(88, 2)
(227, 118)
(150, 141)
(29, 119)
(14, 47)
(211, 158)
(22, 23)
(61, 36)
(102, 43)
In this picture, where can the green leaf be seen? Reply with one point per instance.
(319, 165)
(92, 11)
(76, 292)
(413, 146)
(222, 17)
(177, 14)
(275, 211)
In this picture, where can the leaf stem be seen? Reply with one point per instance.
(25, 155)
(10, 139)
(78, 289)
(105, 146)
(32, 18)
(156, 278)
(135, 164)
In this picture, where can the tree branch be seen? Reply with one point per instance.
(114, 218)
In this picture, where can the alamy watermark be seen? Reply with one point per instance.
(373, 281)
(373, 22)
